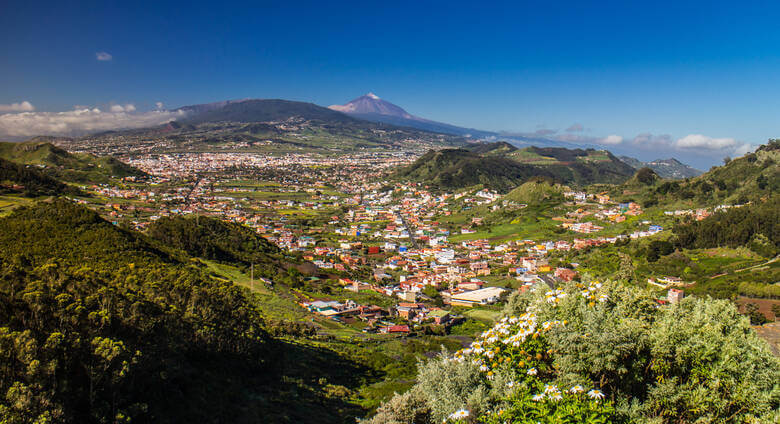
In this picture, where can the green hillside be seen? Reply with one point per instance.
(103, 324)
(99, 325)
(58, 163)
(502, 167)
(741, 180)
(451, 169)
(536, 193)
(578, 166)
(221, 241)
(498, 148)
(16, 178)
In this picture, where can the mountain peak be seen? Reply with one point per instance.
(372, 104)
(372, 108)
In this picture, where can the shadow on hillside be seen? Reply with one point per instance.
(313, 384)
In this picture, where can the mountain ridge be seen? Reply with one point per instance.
(665, 168)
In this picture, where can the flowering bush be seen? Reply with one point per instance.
(554, 406)
(516, 350)
(606, 353)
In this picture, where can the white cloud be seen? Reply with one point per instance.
(103, 56)
(611, 139)
(81, 121)
(725, 145)
(698, 141)
(744, 149)
(126, 108)
(24, 106)
(575, 127)
(159, 105)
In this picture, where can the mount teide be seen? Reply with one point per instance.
(372, 108)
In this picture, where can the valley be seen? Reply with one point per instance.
(334, 268)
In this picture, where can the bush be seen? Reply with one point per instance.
(622, 357)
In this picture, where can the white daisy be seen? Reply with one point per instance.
(596, 394)
(460, 414)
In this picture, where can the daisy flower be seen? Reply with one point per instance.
(460, 414)
(596, 394)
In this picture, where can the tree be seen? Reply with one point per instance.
(756, 317)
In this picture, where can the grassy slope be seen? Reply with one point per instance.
(66, 166)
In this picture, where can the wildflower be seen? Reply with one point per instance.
(483, 368)
(510, 384)
(532, 371)
(596, 394)
(576, 389)
(538, 397)
(549, 388)
(460, 414)
(556, 396)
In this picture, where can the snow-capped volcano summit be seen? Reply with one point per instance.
(372, 104)
(372, 108)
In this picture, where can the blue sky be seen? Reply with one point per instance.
(666, 70)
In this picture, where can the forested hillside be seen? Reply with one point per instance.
(458, 168)
(16, 178)
(215, 239)
(99, 325)
(502, 167)
(748, 178)
(757, 223)
(60, 164)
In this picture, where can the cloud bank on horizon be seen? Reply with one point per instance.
(21, 120)
(704, 145)
(24, 106)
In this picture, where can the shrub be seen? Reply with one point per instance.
(623, 357)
